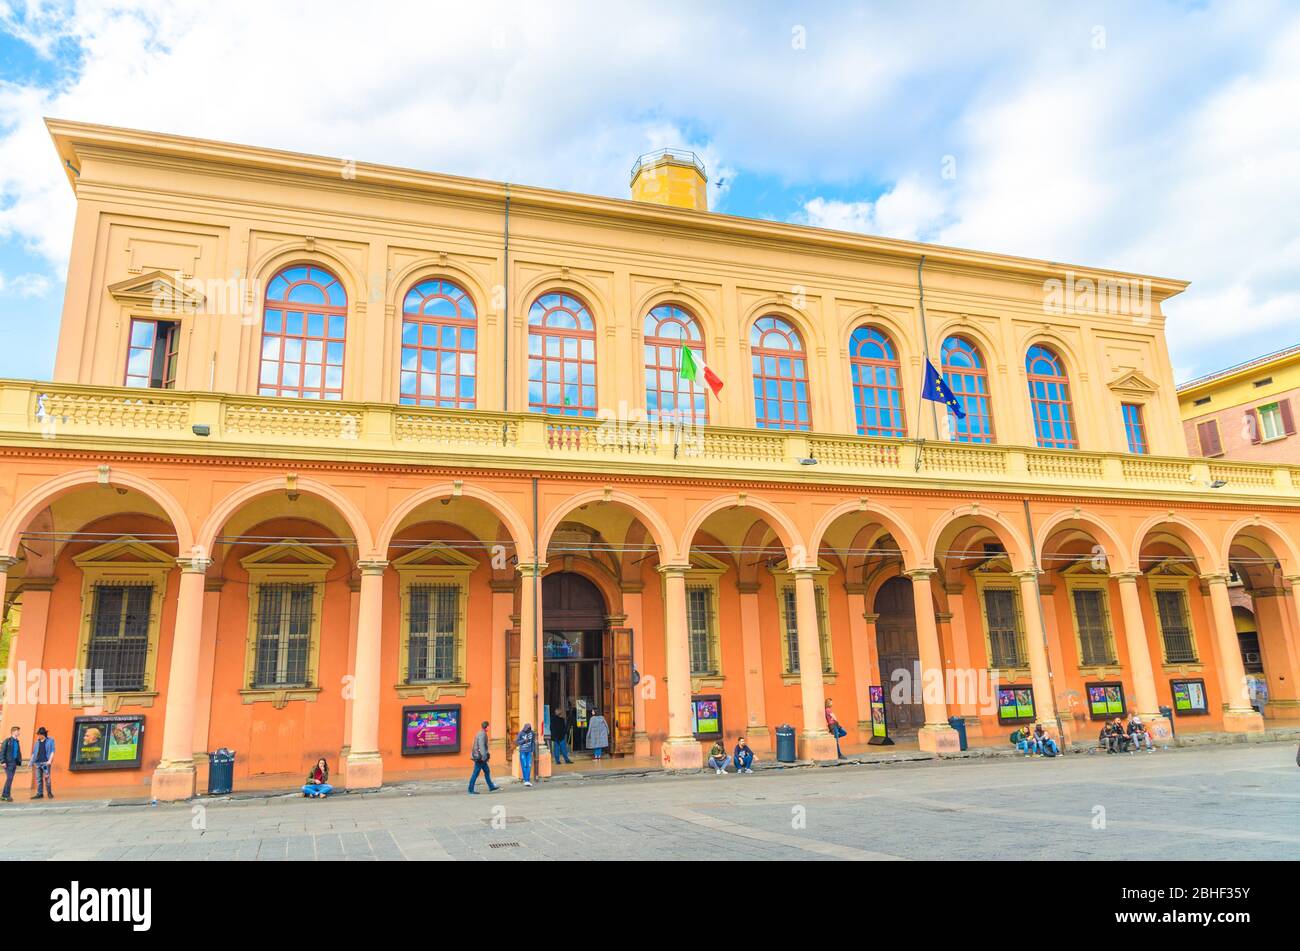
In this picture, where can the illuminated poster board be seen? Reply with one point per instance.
(879, 720)
(107, 742)
(431, 729)
(1015, 704)
(1106, 701)
(706, 716)
(1189, 698)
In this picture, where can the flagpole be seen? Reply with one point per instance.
(925, 344)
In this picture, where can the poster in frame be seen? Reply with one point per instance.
(1106, 700)
(431, 729)
(1189, 698)
(706, 716)
(879, 717)
(107, 742)
(1016, 704)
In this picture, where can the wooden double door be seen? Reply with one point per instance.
(897, 650)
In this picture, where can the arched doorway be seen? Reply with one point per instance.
(575, 649)
(896, 648)
(1252, 659)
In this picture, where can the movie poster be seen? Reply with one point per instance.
(107, 742)
(1105, 701)
(879, 725)
(706, 716)
(1015, 703)
(430, 729)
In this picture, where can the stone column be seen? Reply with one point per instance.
(174, 776)
(207, 671)
(936, 736)
(1239, 717)
(365, 767)
(530, 625)
(1036, 645)
(680, 750)
(503, 603)
(862, 635)
(636, 621)
(815, 742)
(1145, 702)
(26, 654)
(751, 644)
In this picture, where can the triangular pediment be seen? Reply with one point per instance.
(124, 550)
(159, 291)
(1087, 568)
(703, 561)
(436, 555)
(1134, 382)
(290, 553)
(1171, 566)
(998, 564)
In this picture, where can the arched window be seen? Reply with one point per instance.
(561, 357)
(780, 375)
(439, 343)
(1049, 395)
(304, 325)
(667, 329)
(877, 390)
(964, 372)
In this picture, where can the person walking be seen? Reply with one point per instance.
(42, 759)
(480, 754)
(12, 757)
(597, 734)
(526, 745)
(560, 737)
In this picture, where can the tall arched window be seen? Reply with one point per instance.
(304, 326)
(964, 372)
(780, 375)
(1049, 395)
(877, 389)
(439, 344)
(561, 357)
(667, 329)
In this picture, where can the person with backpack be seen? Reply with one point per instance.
(1043, 741)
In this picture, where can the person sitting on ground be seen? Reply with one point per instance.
(718, 757)
(318, 781)
(1138, 734)
(1044, 742)
(1116, 738)
(743, 757)
(1023, 740)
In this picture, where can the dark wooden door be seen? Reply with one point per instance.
(616, 668)
(897, 649)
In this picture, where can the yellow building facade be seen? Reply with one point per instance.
(341, 460)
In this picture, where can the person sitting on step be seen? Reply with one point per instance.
(718, 757)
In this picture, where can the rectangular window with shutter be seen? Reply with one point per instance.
(1092, 621)
(284, 622)
(119, 635)
(1134, 428)
(1275, 420)
(1175, 626)
(791, 630)
(1002, 615)
(1207, 433)
(699, 619)
(434, 622)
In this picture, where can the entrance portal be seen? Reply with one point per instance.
(896, 648)
(573, 648)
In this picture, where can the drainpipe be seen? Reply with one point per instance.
(1042, 620)
(925, 344)
(505, 319)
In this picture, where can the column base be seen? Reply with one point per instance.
(641, 744)
(938, 738)
(365, 771)
(817, 746)
(542, 763)
(174, 782)
(1242, 721)
(759, 738)
(681, 752)
(1159, 728)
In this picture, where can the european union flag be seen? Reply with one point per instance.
(936, 389)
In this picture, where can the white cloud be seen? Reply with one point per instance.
(24, 285)
(909, 210)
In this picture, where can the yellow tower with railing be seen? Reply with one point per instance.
(671, 177)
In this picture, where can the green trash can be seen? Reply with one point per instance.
(785, 743)
(221, 772)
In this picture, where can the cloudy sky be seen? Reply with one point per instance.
(1158, 137)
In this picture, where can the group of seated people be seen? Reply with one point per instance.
(742, 757)
(1115, 737)
(1037, 742)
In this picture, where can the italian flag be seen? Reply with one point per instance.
(696, 370)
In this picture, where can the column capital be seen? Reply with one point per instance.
(1215, 577)
(1293, 580)
(1028, 574)
(807, 571)
(530, 569)
(193, 565)
(1126, 577)
(871, 618)
(372, 567)
(7, 562)
(920, 574)
(673, 571)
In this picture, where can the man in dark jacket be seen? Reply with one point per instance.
(480, 754)
(560, 738)
(526, 745)
(12, 756)
(42, 760)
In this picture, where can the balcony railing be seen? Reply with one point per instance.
(122, 419)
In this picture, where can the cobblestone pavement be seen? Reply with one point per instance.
(1212, 803)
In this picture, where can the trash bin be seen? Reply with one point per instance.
(958, 724)
(785, 743)
(1168, 714)
(221, 772)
